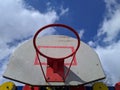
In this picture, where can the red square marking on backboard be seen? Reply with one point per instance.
(36, 62)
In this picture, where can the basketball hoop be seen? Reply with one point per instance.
(54, 60)
(55, 69)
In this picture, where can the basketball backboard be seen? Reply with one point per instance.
(24, 65)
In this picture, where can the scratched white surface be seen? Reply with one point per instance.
(21, 66)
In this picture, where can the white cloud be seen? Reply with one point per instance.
(111, 27)
(91, 43)
(109, 57)
(111, 24)
(63, 10)
(81, 33)
(18, 23)
(108, 34)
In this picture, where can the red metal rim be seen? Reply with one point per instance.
(58, 25)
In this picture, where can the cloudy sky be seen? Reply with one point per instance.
(96, 21)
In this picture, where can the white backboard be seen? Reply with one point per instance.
(24, 67)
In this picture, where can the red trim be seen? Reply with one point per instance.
(36, 61)
(28, 87)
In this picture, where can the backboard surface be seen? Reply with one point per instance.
(24, 66)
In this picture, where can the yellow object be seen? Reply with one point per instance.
(48, 88)
(99, 86)
(8, 86)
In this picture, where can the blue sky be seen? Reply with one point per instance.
(96, 21)
(82, 14)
